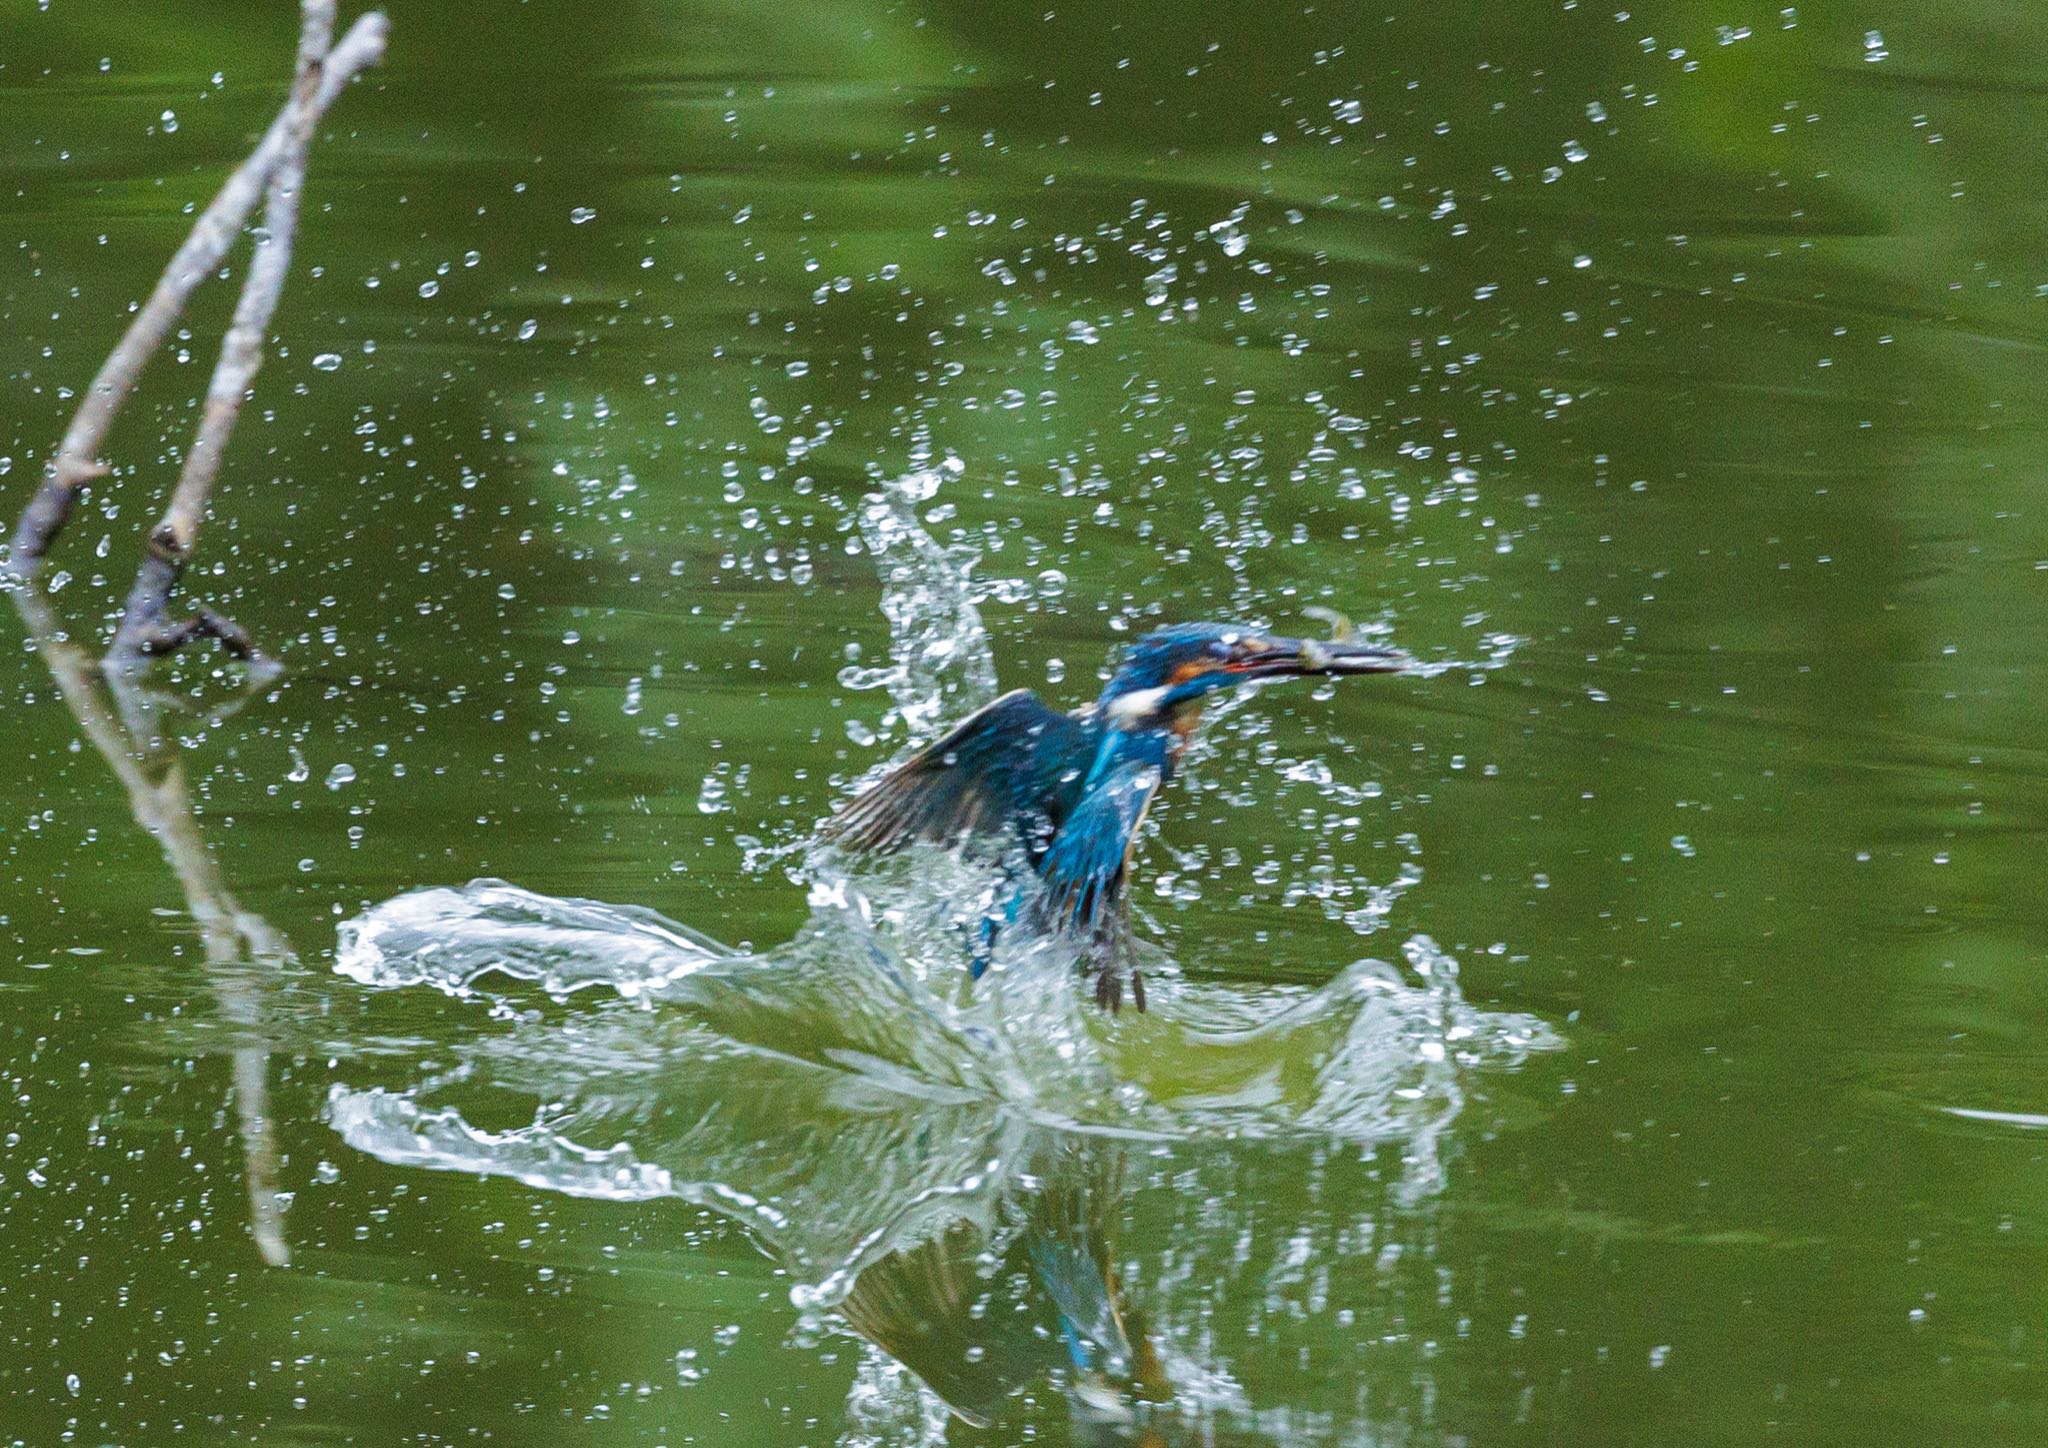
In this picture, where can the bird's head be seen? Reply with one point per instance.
(1165, 676)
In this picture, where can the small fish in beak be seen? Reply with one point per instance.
(1342, 629)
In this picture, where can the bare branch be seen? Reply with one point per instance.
(145, 629)
(152, 635)
(77, 459)
(123, 731)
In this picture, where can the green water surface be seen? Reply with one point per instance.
(1698, 347)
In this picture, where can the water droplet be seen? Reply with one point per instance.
(798, 369)
(327, 362)
(1684, 845)
(527, 328)
(429, 287)
(582, 214)
(339, 775)
(1574, 152)
(169, 119)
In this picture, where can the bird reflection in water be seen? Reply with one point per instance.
(981, 1312)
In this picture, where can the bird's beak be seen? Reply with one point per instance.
(1282, 657)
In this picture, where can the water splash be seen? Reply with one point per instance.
(446, 938)
(872, 989)
(890, 1138)
(940, 664)
(904, 1141)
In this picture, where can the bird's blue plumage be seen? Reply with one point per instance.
(1071, 790)
(1084, 867)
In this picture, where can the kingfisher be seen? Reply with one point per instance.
(1068, 792)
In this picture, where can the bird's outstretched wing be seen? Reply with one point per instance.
(1014, 764)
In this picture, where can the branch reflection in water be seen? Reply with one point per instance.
(118, 716)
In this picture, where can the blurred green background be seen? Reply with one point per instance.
(1696, 346)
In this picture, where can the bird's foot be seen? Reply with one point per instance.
(1109, 989)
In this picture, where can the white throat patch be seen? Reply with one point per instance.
(1130, 708)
